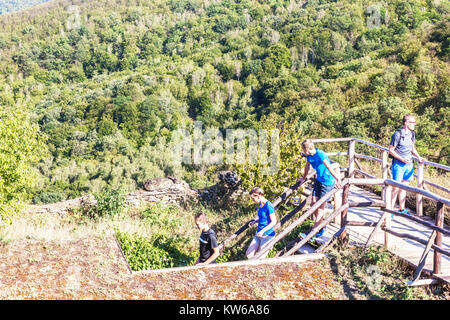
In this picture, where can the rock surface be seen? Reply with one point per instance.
(168, 190)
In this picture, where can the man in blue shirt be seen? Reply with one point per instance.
(326, 178)
(266, 221)
(402, 149)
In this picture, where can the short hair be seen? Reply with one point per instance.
(257, 190)
(307, 144)
(202, 217)
(406, 117)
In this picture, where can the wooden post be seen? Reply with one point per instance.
(388, 202)
(375, 230)
(419, 203)
(344, 212)
(350, 174)
(438, 240)
(423, 259)
(337, 198)
(384, 171)
(351, 159)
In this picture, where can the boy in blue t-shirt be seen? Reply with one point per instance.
(326, 179)
(266, 221)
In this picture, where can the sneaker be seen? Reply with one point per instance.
(404, 211)
(303, 235)
(320, 233)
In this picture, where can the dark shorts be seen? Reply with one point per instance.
(321, 189)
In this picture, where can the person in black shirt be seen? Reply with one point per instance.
(209, 248)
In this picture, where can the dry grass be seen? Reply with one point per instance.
(46, 256)
(91, 269)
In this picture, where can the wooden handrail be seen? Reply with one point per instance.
(425, 193)
(275, 203)
(426, 162)
(332, 140)
(384, 222)
(316, 229)
(424, 242)
(297, 222)
(418, 220)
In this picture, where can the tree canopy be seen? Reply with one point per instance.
(107, 82)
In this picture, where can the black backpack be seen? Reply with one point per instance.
(401, 137)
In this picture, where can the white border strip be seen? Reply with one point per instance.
(294, 258)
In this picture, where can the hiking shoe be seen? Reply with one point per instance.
(320, 233)
(404, 211)
(303, 235)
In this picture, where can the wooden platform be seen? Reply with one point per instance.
(409, 250)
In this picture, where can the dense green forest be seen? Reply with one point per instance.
(105, 83)
(16, 5)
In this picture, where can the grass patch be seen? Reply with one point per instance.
(376, 274)
(156, 252)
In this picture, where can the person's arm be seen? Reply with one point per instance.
(273, 222)
(251, 223)
(396, 155)
(305, 173)
(333, 173)
(415, 153)
(216, 253)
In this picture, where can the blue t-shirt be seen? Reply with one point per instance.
(264, 219)
(324, 175)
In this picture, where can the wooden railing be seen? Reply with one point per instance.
(384, 223)
(275, 203)
(385, 164)
(435, 240)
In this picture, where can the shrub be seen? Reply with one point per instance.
(49, 197)
(21, 148)
(375, 255)
(157, 252)
(161, 215)
(287, 168)
(110, 202)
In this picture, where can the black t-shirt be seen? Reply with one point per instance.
(208, 241)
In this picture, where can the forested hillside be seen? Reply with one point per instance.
(106, 82)
(16, 5)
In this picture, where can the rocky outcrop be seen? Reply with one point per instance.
(168, 190)
(226, 192)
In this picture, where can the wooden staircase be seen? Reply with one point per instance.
(347, 221)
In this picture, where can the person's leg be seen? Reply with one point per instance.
(315, 198)
(263, 243)
(394, 196)
(252, 248)
(407, 176)
(402, 198)
(397, 175)
(320, 213)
